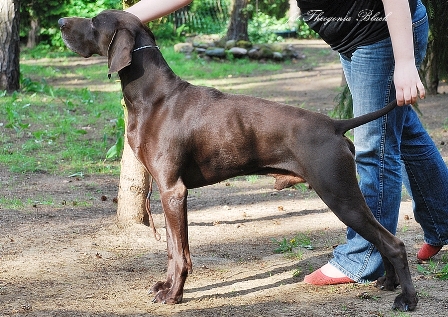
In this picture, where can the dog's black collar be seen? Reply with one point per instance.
(145, 46)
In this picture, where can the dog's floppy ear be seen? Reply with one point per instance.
(119, 53)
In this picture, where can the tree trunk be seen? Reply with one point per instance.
(9, 46)
(33, 33)
(239, 18)
(134, 181)
(294, 14)
(435, 65)
(133, 188)
(430, 70)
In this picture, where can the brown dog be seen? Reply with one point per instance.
(189, 136)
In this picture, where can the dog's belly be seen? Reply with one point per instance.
(206, 174)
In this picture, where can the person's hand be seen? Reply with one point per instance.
(408, 85)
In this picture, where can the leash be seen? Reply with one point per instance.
(145, 46)
(148, 210)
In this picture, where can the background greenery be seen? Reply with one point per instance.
(47, 13)
(201, 16)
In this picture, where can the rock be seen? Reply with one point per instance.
(266, 52)
(277, 56)
(253, 53)
(244, 44)
(200, 50)
(230, 44)
(238, 52)
(261, 52)
(220, 43)
(289, 52)
(185, 48)
(201, 45)
(216, 52)
(239, 49)
(277, 47)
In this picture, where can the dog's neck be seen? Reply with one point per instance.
(148, 69)
(144, 41)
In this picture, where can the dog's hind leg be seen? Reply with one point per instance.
(392, 249)
(174, 202)
(335, 182)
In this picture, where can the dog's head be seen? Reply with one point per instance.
(111, 33)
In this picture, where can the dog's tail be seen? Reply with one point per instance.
(342, 126)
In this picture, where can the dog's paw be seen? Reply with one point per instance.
(164, 294)
(165, 297)
(386, 283)
(405, 302)
(160, 286)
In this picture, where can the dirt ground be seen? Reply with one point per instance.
(70, 258)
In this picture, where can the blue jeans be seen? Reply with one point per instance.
(389, 151)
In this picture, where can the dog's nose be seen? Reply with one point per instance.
(61, 23)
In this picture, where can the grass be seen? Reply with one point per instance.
(436, 269)
(19, 204)
(11, 203)
(50, 130)
(288, 246)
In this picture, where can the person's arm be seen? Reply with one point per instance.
(406, 78)
(148, 10)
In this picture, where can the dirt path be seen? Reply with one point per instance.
(68, 257)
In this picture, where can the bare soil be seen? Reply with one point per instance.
(71, 258)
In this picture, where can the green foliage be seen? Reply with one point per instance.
(197, 70)
(304, 31)
(203, 17)
(435, 269)
(116, 149)
(276, 9)
(89, 8)
(49, 129)
(262, 26)
(14, 119)
(344, 104)
(47, 13)
(165, 31)
(288, 245)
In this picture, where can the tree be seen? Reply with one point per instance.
(40, 15)
(435, 65)
(134, 179)
(239, 17)
(9, 45)
(293, 13)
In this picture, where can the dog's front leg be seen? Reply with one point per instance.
(390, 280)
(174, 201)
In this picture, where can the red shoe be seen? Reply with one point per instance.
(427, 251)
(319, 278)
